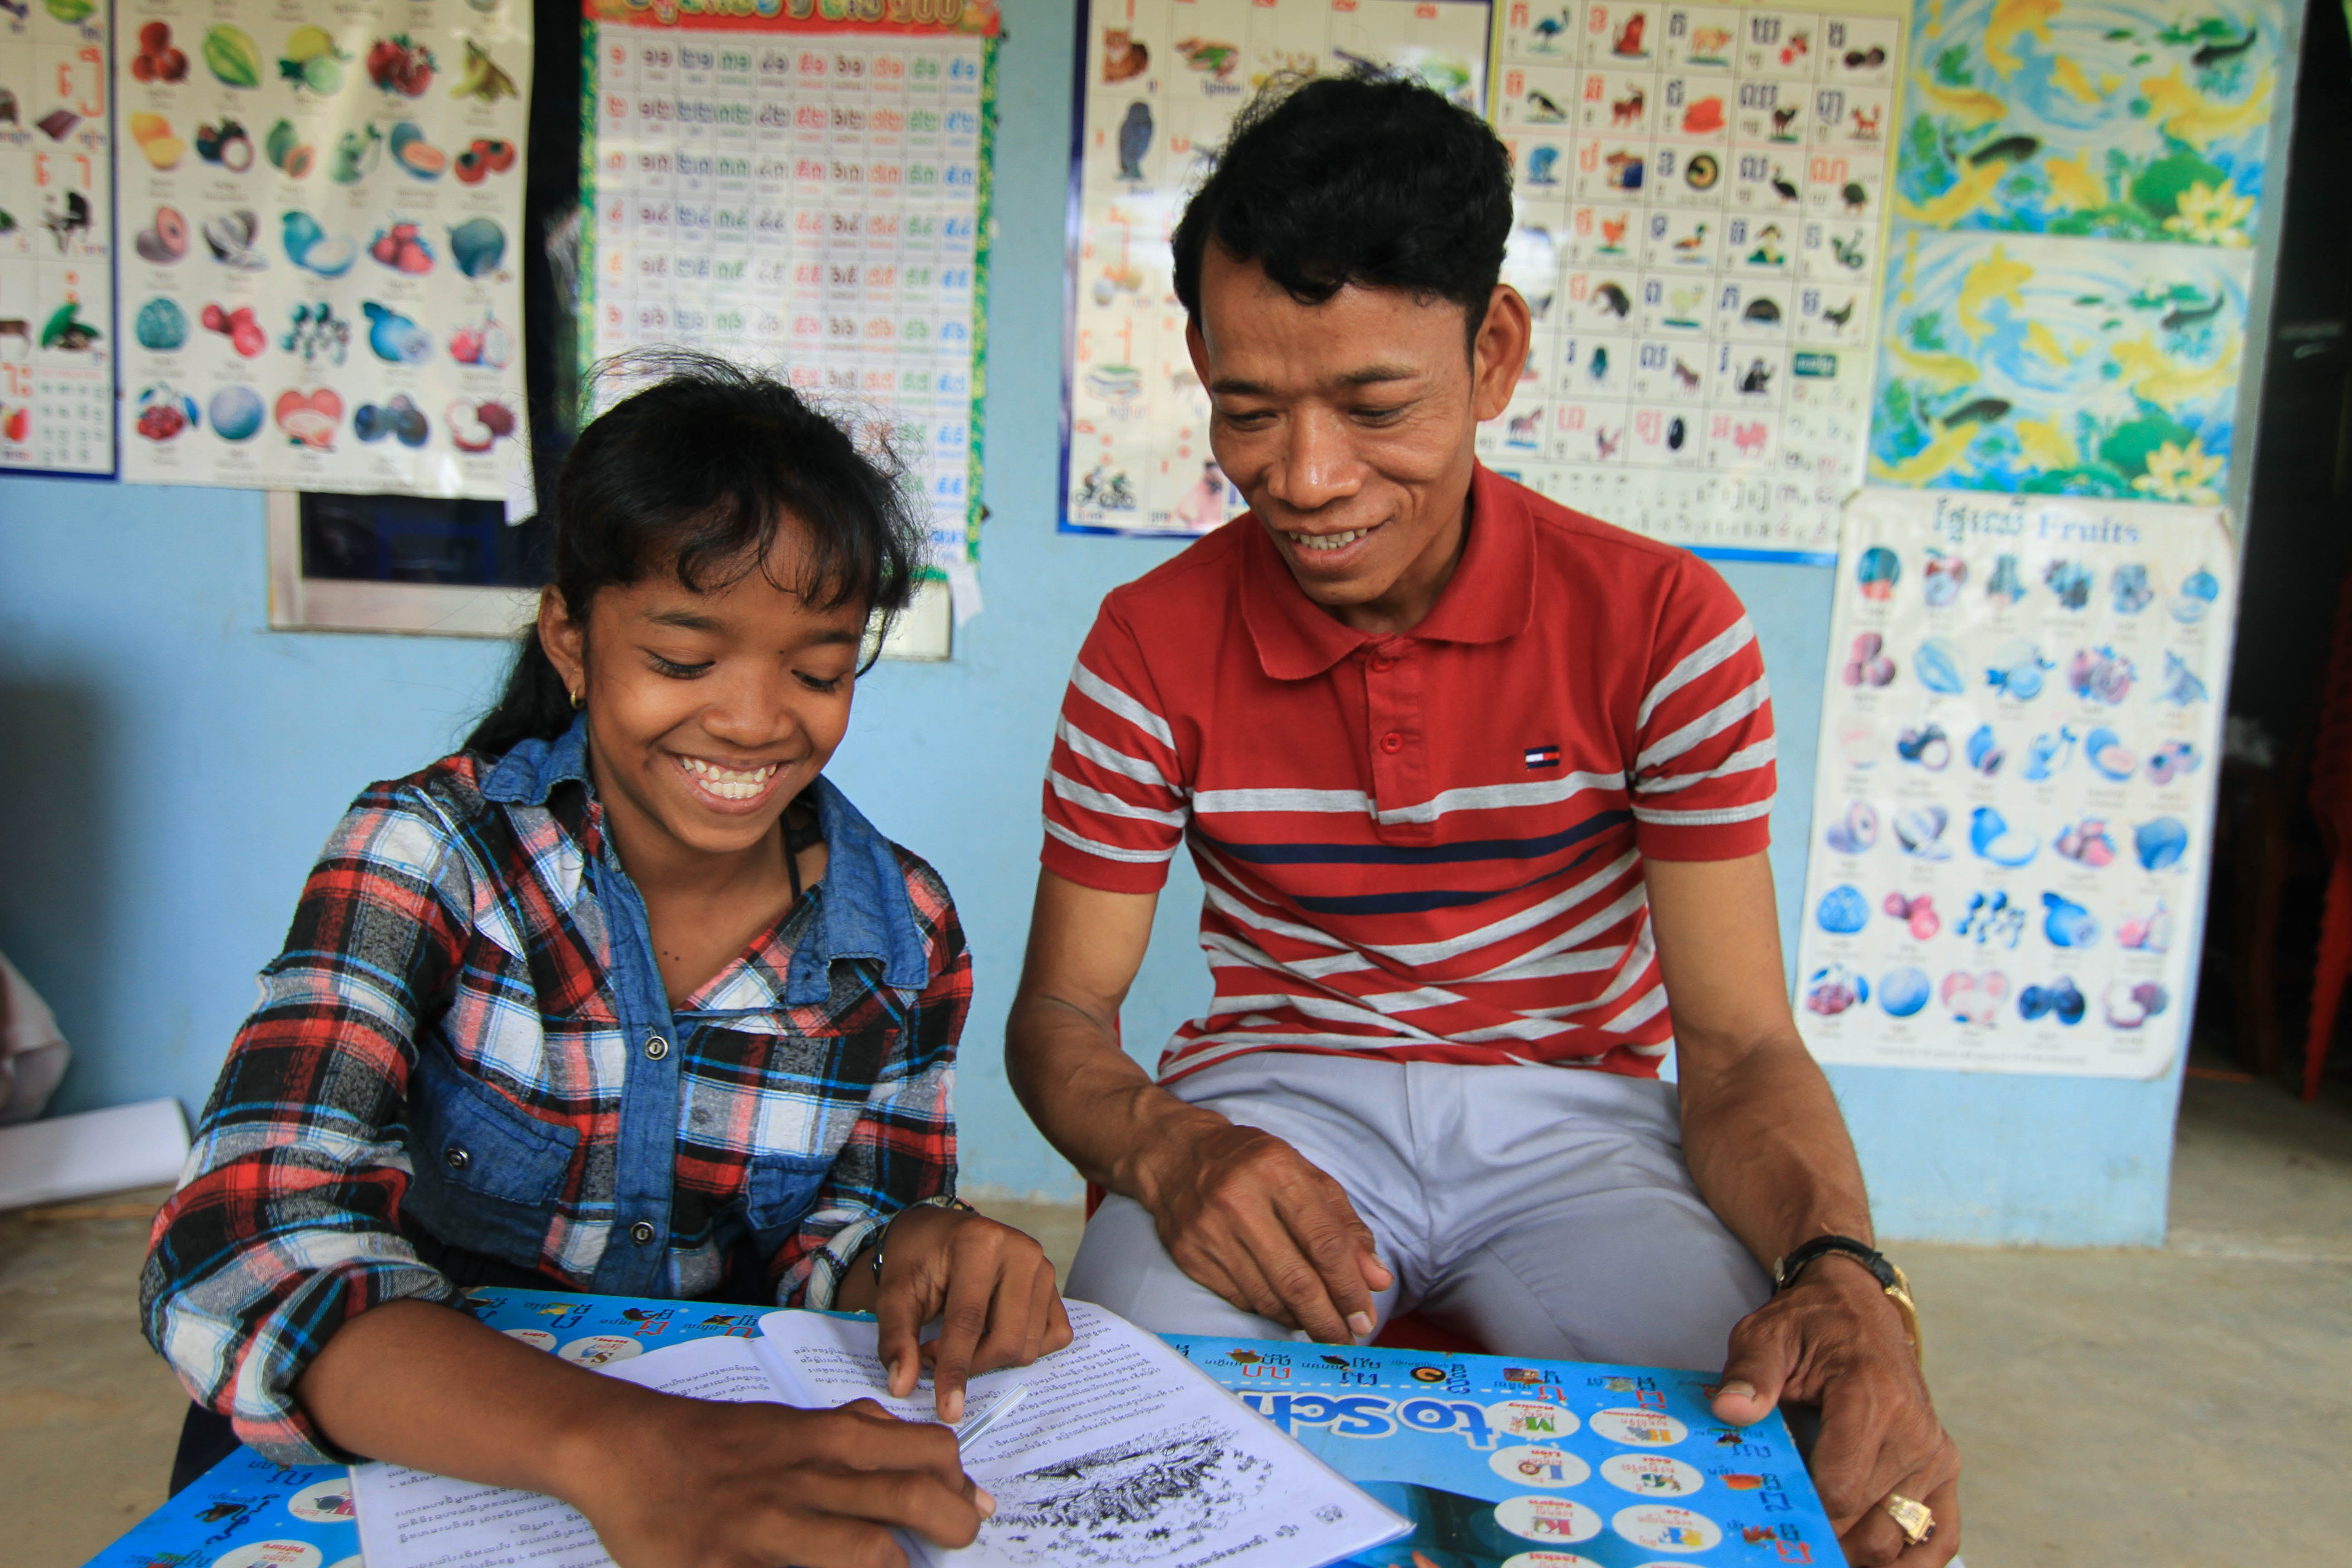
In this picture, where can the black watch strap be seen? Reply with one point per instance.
(1890, 1278)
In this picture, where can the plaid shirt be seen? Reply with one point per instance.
(438, 1062)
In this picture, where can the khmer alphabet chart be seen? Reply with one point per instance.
(57, 238)
(1700, 196)
(810, 194)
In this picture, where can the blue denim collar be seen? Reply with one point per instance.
(859, 911)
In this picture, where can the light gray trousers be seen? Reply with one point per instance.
(1543, 1212)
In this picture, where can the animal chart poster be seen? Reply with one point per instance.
(322, 289)
(56, 240)
(1701, 194)
(2069, 367)
(2114, 120)
(1159, 84)
(2015, 783)
(1535, 1464)
(805, 192)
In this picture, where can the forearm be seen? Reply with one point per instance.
(431, 1387)
(1089, 1098)
(1769, 1149)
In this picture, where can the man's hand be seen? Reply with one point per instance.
(1244, 1214)
(693, 1482)
(991, 1286)
(1835, 1340)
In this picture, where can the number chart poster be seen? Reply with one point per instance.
(807, 192)
(57, 234)
(2017, 751)
(1701, 194)
(323, 289)
(1160, 82)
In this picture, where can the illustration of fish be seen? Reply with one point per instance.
(2009, 149)
(2184, 315)
(1972, 104)
(2071, 181)
(2046, 445)
(2071, 77)
(1995, 278)
(2219, 53)
(2182, 112)
(1932, 461)
(1946, 371)
(2010, 20)
(2149, 372)
(1967, 194)
(2041, 341)
(1978, 411)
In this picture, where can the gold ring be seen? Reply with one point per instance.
(1916, 1520)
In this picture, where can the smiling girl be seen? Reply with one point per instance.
(624, 998)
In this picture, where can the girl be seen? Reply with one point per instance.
(625, 998)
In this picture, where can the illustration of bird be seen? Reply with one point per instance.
(1602, 439)
(1542, 108)
(1612, 233)
(1134, 140)
(1541, 163)
(1551, 28)
(1338, 1361)
(1842, 315)
(1614, 300)
(1600, 365)
(1783, 186)
(1856, 195)
(1849, 252)
(1691, 242)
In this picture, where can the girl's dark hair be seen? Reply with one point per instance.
(695, 474)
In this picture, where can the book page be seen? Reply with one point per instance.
(413, 1518)
(1120, 1454)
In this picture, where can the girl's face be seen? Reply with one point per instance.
(708, 713)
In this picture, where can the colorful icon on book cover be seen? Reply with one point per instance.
(601, 1349)
(1638, 1427)
(1530, 1418)
(1903, 990)
(1919, 832)
(1843, 911)
(1868, 664)
(1834, 988)
(1854, 833)
(2130, 1004)
(2061, 1000)
(1540, 1465)
(1661, 1528)
(1918, 913)
(1993, 839)
(327, 1502)
(1974, 998)
(1547, 1518)
(271, 1554)
(1991, 919)
(1937, 665)
(2161, 843)
(1652, 1475)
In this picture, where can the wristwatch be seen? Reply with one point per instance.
(1890, 1277)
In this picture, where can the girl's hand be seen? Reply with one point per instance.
(991, 1285)
(683, 1483)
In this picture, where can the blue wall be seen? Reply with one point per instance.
(169, 766)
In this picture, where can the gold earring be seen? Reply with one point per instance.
(576, 700)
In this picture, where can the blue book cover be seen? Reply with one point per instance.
(1510, 1463)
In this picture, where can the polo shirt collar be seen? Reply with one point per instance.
(1490, 596)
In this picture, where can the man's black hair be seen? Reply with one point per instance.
(1364, 179)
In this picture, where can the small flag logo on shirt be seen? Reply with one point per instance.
(1542, 757)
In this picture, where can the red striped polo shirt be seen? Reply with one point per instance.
(1428, 846)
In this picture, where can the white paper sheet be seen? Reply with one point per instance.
(1123, 1453)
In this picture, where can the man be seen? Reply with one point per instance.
(1478, 790)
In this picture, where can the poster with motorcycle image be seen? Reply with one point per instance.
(321, 274)
(2013, 796)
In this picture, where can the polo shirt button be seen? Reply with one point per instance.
(1391, 743)
(642, 1232)
(1382, 665)
(656, 1047)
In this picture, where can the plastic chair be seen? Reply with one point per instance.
(2331, 803)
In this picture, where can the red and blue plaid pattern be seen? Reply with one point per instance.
(443, 920)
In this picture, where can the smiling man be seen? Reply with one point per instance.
(1479, 789)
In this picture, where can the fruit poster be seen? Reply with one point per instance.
(2076, 204)
(2015, 783)
(56, 236)
(1160, 81)
(810, 194)
(321, 288)
(1702, 194)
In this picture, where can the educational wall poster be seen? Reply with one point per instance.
(1159, 83)
(1701, 196)
(56, 236)
(322, 289)
(1498, 1460)
(2015, 783)
(811, 193)
(2075, 203)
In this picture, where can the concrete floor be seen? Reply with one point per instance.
(2158, 1409)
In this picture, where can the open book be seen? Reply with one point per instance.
(1120, 1454)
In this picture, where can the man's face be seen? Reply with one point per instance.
(1349, 425)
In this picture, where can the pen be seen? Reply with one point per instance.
(975, 1426)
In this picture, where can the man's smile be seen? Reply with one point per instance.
(1320, 541)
